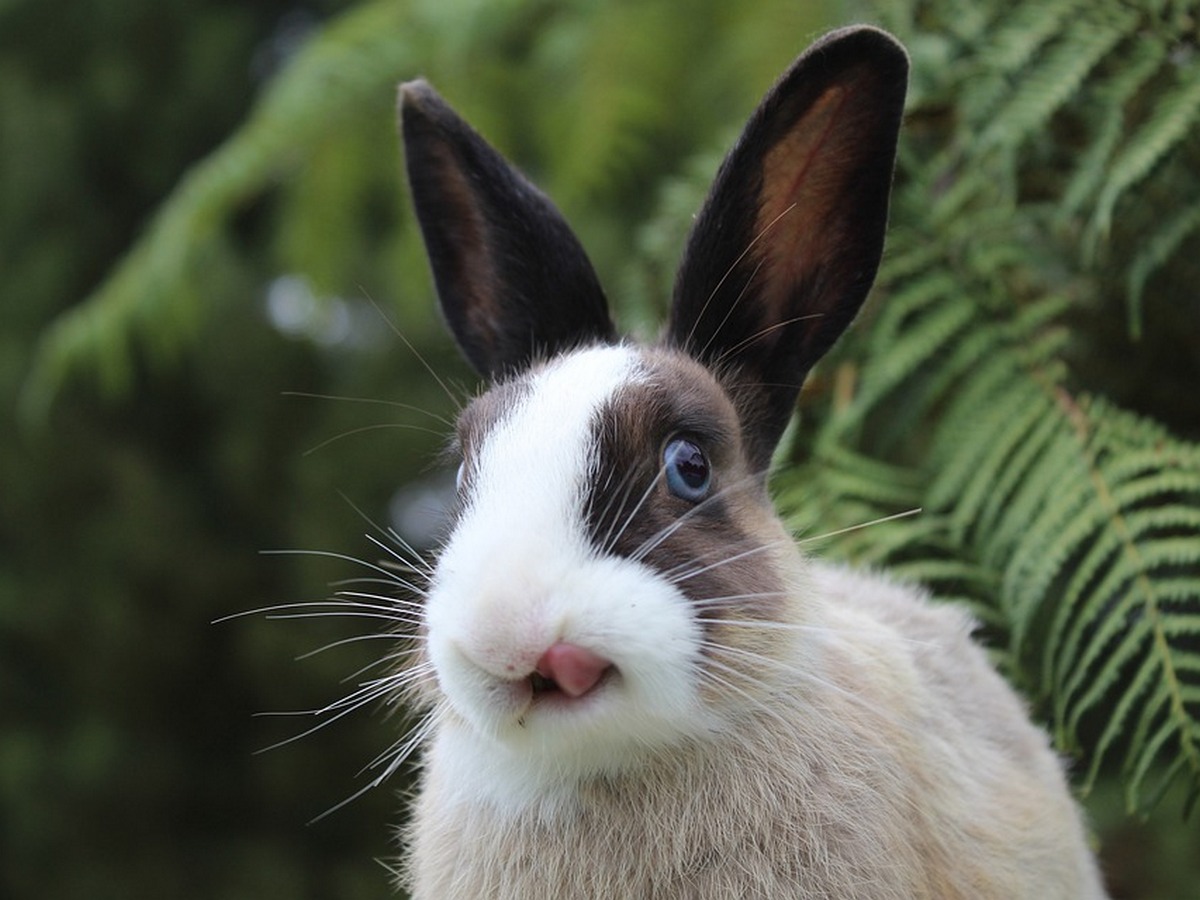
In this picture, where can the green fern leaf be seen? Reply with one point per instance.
(1056, 77)
(1158, 248)
(1174, 117)
(1138, 66)
(1013, 42)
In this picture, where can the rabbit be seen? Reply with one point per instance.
(636, 685)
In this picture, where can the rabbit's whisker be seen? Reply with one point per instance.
(387, 599)
(456, 402)
(363, 429)
(651, 543)
(727, 682)
(385, 602)
(729, 312)
(356, 639)
(332, 607)
(745, 342)
(720, 602)
(802, 673)
(414, 561)
(829, 534)
(637, 508)
(621, 498)
(357, 702)
(763, 232)
(389, 658)
(753, 551)
(330, 554)
(374, 401)
(399, 752)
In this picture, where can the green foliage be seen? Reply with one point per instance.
(1024, 214)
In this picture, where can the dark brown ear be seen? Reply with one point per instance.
(789, 240)
(512, 279)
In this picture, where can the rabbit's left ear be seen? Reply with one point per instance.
(512, 279)
(790, 237)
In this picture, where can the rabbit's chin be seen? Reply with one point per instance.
(541, 765)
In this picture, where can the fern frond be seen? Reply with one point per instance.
(1014, 40)
(1057, 75)
(1138, 66)
(1157, 250)
(1174, 116)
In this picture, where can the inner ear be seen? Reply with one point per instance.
(512, 279)
(787, 244)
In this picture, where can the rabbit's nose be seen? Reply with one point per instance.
(574, 669)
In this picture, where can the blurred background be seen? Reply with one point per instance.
(213, 300)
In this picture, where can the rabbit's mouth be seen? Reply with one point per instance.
(542, 685)
(567, 674)
(568, 670)
(544, 688)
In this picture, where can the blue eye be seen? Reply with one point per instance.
(688, 473)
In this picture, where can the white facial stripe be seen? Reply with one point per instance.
(522, 535)
(520, 573)
(536, 461)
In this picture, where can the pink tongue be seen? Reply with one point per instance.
(574, 669)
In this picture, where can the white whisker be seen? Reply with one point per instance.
(763, 333)
(330, 554)
(804, 674)
(728, 684)
(828, 534)
(359, 638)
(388, 659)
(372, 401)
(750, 246)
(363, 429)
(396, 755)
(338, 607)
(650, 544)
(416, 564)
(677, 579)
(729, 598)
(608, 545)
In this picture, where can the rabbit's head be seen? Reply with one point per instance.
(614, 579)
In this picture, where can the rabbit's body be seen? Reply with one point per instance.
(912, 773)
(638, 686)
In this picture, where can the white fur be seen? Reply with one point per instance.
(519, 574)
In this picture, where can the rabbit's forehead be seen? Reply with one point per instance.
(575, 445)
(593, 410)
(530, 442)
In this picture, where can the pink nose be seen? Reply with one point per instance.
(574, 669)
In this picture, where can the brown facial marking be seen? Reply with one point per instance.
(712, 551)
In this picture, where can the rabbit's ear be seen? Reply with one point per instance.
(513, 281)
(789, 240)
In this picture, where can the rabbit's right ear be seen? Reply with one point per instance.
(789, 239)
(512, 279)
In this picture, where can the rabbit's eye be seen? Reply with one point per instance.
(688, 473)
